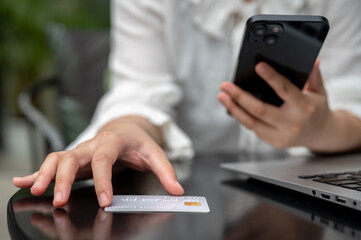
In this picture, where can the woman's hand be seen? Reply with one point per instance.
(125, 142)
(304, 119)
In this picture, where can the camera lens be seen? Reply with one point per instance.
(259, 31)
(270, 39)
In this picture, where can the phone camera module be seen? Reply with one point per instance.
(270, 39)
(275, 29)
(259, 31)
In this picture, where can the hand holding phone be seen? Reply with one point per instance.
(280, 94)
(289, 43)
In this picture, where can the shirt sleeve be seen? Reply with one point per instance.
(340, 58)
(142, 83)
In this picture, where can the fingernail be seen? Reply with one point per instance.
(227, 87)
(58, 197)
(179, 185)
(262, 68)
(103, 199)
(36, 185)
(16, 179)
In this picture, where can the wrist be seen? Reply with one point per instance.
(341, 132)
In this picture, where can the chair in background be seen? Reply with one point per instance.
(81, 58)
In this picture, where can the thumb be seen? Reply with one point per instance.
(314, 82)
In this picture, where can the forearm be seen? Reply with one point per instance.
(341, 133)
(121, 122)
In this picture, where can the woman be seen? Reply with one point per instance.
(169, 59)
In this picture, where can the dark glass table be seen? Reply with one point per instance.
(239, 209)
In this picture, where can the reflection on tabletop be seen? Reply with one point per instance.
(83, 220)
(238, 210)
(258, 223)
(265, 221)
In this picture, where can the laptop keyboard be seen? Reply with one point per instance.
(350, 180)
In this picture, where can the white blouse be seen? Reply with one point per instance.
(169, 58)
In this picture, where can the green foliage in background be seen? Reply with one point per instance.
(24, 52)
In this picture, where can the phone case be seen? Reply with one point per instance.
(289, 43)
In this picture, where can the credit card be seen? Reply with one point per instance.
(154, 203)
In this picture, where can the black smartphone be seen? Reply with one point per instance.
(289, 43)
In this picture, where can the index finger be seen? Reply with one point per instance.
(283, 87)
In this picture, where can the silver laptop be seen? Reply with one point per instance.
(335, 179)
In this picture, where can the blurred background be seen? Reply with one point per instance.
(53, 57)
